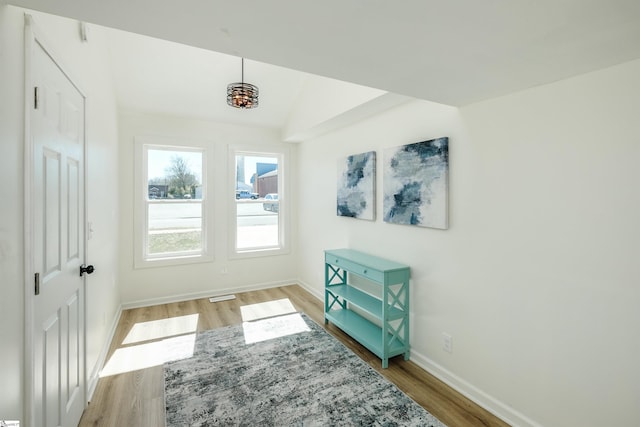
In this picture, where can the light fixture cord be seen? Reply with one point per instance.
(242, 71)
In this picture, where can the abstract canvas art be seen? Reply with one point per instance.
(357, 186)
(416, 184)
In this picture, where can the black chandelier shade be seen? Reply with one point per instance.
(242, 95)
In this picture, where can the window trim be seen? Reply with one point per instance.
(141, 204)
(284, 228)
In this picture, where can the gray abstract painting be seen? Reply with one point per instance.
(357, 186)
(416, 184)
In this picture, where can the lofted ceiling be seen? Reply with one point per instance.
(162, 77)
(454, 52)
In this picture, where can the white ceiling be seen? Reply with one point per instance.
(157, 76)
(454, 52)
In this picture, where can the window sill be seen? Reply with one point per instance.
(176, 260)
(258, 253)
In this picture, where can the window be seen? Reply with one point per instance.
(172, 201)
(258, 181)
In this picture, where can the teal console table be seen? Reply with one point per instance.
(378, 320)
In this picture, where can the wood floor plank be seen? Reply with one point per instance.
(136, 398)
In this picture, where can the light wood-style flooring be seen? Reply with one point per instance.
(135, 398)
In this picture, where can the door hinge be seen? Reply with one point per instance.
(37, 280)
(35, 98)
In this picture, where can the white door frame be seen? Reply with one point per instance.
(32, 35)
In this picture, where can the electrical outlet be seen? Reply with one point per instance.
(447, 342)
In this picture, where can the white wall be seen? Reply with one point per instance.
(145, 286)
(87, 65)
(537, 278)
(103, 297)
(11, 213)
(321, 102)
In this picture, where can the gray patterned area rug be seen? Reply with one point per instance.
(282, 371)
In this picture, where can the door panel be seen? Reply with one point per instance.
(51, 335)
(73, 209)
(51, 212)
(57, 129)
(72, 353)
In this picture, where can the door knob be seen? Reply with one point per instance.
(86, 269)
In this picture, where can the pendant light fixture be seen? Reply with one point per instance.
(242, 95)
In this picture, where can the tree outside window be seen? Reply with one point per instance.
(174, 202)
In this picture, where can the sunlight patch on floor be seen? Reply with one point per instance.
(164, 340)
(273, 327)
(154, 329)
(267, 309)
(155, 353)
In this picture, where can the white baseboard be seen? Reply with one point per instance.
(205, 294)
(94, 376)
(471, 392)
(313, 291)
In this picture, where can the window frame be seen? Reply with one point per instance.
(142, 202)
(283, 247)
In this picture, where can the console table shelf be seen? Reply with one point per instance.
(380, 323)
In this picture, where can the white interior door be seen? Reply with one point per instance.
(57, 123)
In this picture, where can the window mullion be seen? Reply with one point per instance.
(174, 193)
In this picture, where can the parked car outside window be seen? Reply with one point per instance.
(244, 194)
(271, 202)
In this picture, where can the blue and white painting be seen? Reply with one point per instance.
(416, 184)
(357, 186)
